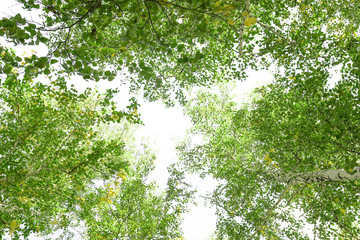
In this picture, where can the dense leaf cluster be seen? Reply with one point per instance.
(52, 149)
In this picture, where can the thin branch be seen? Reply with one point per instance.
(151, 23)
(349, 150)
(326, 119)
(265, 26)
(295, 193)
(18, 142)
(242, 27)
(241, 33)
(194, 9)
(96, 4)
(343, 226)
(269, 212)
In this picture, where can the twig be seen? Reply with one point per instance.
(265, 26)
(349, 150)
(242, 27)
(269, 212)
(151, 23)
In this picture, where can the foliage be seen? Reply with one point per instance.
(290, 127)
(298, 124)
(50, 149)
(170, 45)
(128, 206)
(56, 144)
(54, 151)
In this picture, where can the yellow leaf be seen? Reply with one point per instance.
(56, 221)
(106, 199)
(115, 117)
(244, 14)
(14, 225)
(227, 12)
(217, 3)
(231, 22)
(123, 48)
(122, 175)
(342, 211)
(111, 192)
(249, 21)
(113, 55)
(267, 159)
(24, 200)
(229, 7)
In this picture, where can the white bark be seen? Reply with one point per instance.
(330, 175)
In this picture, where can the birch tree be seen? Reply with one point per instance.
(287, 160)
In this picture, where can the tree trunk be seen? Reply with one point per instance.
(330, 175)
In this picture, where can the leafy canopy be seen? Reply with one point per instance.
(169, 46)
(166, 47)
(290, 130)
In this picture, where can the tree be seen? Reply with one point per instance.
(292, 151)
(50, 150)
(169, 46)
(126, 205)
(53, 149)
(56, 144)
(131, 209)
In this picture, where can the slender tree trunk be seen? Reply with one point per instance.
(330, 175)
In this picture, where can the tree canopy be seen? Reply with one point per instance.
(287, 161)
(63, 161)
(168, 46)
(293, 147)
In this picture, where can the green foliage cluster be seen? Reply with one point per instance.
(54, 153)
(169, 46)
(52, 148)
(283, 131)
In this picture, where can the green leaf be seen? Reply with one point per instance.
(78, 64)
(47, 71)
(7, 69)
